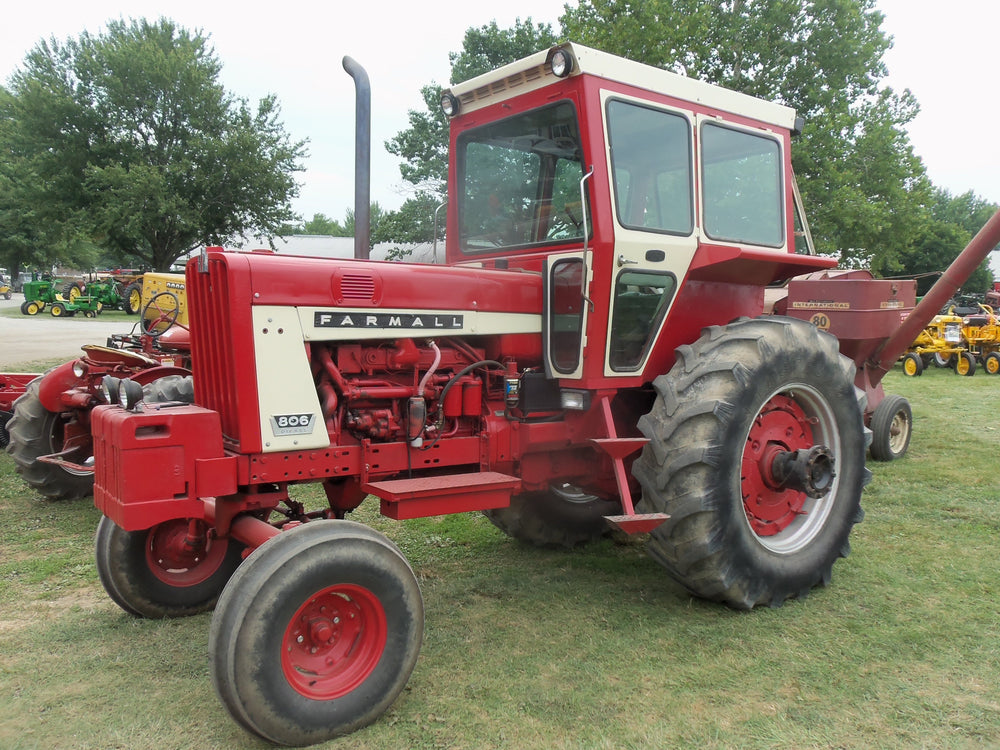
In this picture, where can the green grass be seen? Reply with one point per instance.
(595, 648)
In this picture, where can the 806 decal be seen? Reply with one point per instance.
(291, 424)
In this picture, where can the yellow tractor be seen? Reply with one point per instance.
(981, 332)
(942, 344)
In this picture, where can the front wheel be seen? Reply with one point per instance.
(317, 633)
(757, 454)
(913, 365)
(175, 569)
(965, 364)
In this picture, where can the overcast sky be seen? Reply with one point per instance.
(942, 53)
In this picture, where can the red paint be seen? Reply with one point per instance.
(333, 642)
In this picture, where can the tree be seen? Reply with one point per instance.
(423, 146)
(322, 224)
(863, 186)
(129, 140)
(954, 221)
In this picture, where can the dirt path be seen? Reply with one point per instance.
(25, 339)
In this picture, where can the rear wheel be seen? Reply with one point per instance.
(991, 364)
(174, 569)
(913, 365)
(316, 634)
(561, 517)
(965, 364)
(34, 431)
(71, 291)
(32, 308)
(132, 299)
(892, 426)
(745, 407)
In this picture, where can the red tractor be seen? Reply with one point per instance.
(594, 356)
(45, 419)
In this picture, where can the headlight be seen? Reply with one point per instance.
(79, 368)
(576, 400)
(449, 104)
(129, 394)
(109, 389)
(561, 64)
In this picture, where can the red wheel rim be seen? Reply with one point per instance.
(334, 642)
(781, 425)
(182, 553)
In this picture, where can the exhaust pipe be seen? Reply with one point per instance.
(362, 158)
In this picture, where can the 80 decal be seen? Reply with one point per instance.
(821, 321)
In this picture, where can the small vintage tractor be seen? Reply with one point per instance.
(5, 290)
(940, 343)
(594, 356)
(38, 293)
(981, 332)
(45, 419)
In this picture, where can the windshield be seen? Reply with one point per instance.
(520, 181)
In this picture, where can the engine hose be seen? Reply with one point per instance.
(433, 367)
(458, 376)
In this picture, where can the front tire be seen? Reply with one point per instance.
(734, 400)
(965, 364)
(913, 365)
(317, 633)
(175, 569)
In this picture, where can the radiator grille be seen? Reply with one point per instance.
(213, 355)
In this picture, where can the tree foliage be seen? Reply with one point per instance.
(128, 139)
(864, 188)
(423, 146)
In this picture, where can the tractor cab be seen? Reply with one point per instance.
(649, 202)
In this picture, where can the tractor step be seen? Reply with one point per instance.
(435, 496)
(637, 523)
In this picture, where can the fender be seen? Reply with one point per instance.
(54, 383)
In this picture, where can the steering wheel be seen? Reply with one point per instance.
(166, 310)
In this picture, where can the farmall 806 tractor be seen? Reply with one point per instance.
(594, 355)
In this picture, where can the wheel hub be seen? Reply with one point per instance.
(334, 642)
(782, 467)
(182, 553)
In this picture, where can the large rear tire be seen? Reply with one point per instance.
(551, 519)
(737, 398)
(35, 431)
(317, 633)
(132, 299)
(175, 569)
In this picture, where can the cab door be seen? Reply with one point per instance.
(651, 163)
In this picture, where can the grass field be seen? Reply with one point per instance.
(529, 648)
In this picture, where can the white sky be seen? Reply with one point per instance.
(943, 53)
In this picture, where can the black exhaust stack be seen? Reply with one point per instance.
(362, 158)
